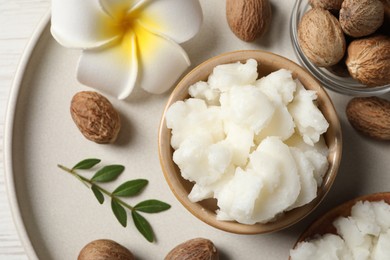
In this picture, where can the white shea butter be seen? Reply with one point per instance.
(253, 144)
(361, 235)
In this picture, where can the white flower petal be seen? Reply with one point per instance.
(112, 70)
(162, 62)
(179, 20)
(117, 9)
(81, 24)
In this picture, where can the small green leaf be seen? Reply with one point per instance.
(130, 188)
(98, 194)
(152, 206)
(86, 164)
(108, 173)
(119, 212)
(143, 226)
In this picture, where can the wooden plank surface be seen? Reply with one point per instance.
(18, 20)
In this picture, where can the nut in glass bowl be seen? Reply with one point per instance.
(206, 209)
(335, 78)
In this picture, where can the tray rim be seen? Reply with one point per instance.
(9, 135)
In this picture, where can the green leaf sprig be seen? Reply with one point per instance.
(127, 189)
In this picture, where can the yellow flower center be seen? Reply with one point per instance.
(136, 24)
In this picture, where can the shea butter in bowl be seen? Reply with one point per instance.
(324, 49)
(249, 142)
(356, 229)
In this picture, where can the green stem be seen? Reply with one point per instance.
(85, 180)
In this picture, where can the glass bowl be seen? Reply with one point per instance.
(344, 85)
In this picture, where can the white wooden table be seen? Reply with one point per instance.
(18, 19)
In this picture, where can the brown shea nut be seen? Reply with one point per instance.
(104, 249)
(333, 5)
(95, 117)
(368, 60)
(386, 5)
(370, 116)
(361, 17)
(248, 19)
(194, 249)
(321, 38)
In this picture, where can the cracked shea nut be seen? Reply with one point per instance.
(95, 117)
(368, 60)
(321, 38)
(360, 18)
(248, 19)
(104, 249)
(194, 249)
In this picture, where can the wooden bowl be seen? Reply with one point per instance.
(324, 224)
(205, 210)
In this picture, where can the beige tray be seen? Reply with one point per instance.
(56, 215)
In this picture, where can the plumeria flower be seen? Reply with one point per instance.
(127, 42)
